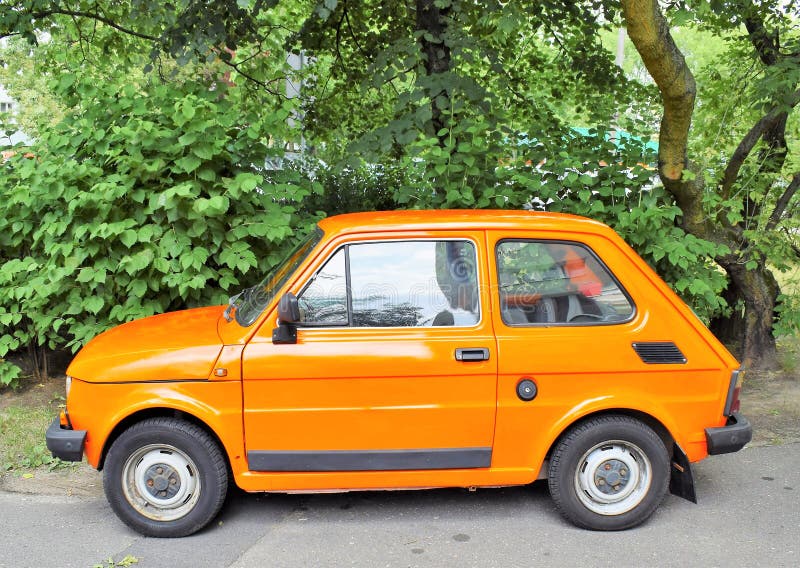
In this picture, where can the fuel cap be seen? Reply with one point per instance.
(526, 389)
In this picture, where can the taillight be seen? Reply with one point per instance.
(735, 406)
(732, 402)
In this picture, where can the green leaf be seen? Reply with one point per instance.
(207, 174)
(93, 304)
(86, 275)
(138, 288)
(187, 139)
(217, 205)
(65, 81)
(188, 164)
(187, 110)
(204, 151)
(247, 181)
(129, 237)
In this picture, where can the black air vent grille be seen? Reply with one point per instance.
(659, 352)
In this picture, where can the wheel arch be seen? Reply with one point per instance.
(648, 419)
(159, 412)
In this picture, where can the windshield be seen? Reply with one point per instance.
(251, 302)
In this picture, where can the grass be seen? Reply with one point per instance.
(22, 431)
(789, 353)
(124, 563)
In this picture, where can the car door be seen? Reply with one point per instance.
(394, 366)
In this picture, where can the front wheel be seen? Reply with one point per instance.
(165, 477)
(609, 473)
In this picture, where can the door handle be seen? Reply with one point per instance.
(472, 354)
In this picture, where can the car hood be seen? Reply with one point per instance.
(175, 346)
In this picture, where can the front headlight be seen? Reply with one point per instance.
(68, 386)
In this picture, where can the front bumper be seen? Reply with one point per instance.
(65, 443)
(729, 438)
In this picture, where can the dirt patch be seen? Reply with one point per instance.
(771, 401)
(32, 393)
(82, 480)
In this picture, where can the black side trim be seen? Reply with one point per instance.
(155, 381)
(659, 352)
(369, 460)
(729, 438)
(63, 443)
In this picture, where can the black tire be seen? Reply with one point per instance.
(165, 477)
(609, 473)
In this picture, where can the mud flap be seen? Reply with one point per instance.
(681, 481)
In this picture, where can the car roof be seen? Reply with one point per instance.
(409, 220)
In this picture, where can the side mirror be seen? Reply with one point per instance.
(288, 316)
(288, 308)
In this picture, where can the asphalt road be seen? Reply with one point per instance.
(748, 515)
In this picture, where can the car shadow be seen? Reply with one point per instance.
(387, 505)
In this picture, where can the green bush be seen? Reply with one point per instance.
(366, 187)
(142, 200)
(145, 200)
(568, 172)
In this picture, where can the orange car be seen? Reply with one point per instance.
(408, 350)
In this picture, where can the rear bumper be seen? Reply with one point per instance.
(729, 438)
(63, 443)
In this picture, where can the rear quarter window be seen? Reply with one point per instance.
(556, 282)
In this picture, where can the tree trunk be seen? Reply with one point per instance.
(432, 22)
(758, 291)
(757, 288)
(728, 328)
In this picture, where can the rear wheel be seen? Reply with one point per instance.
(165, 477)
(609, 473)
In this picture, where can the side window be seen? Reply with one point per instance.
(324, 299)
(414, 283)
(395, 284)
(555, 282)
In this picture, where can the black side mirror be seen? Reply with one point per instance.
(288, 308)
(288, 316)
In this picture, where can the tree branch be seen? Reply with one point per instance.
(773, 155)
(432, 21)
(649, 32)
(361, 50)
(262, 84)
(767, 45)
(783, 202)
(96, 17)
(338, 42)
(749, 141)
